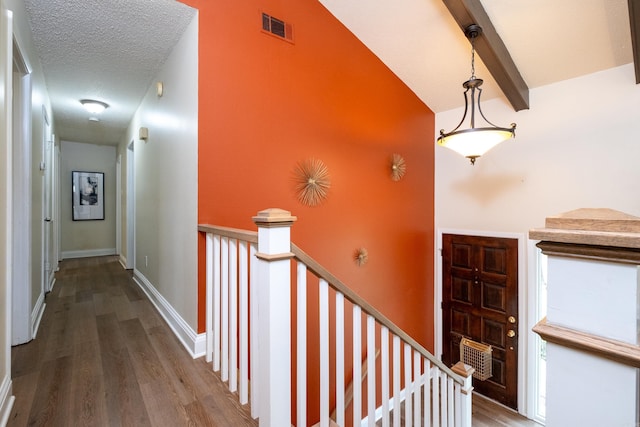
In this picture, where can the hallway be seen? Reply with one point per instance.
(103, 356)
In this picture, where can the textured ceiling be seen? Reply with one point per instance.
(108, 50)
(111, 49)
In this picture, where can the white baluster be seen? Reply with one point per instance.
(244, 324)
(224, 375)
(408, 386)
(340, 359)
(371, 371)
(301, 352)
(233, 315)
(417, 416)
(323, 293)
(357, 366)
(396, 381)
(427, 393)
(435, 381)
(384, 370)
(209, 297)
(216, 303)
(450, 401)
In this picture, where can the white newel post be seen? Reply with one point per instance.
(274, 312)
(466, 372)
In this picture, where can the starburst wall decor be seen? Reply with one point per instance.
(398, 167)
(361, 256)
(312, 182)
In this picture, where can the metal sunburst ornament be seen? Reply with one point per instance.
(361, 256)
(398, 167)
(312, 182)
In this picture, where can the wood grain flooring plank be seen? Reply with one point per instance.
(84, 315)
(162, 406)
(122, 307)
(102, 303)
(187, 381)
(27, 384)
(51, 401)
(125, 405)
(109, 333)
(88, 406)
(143, 356)
(147, 314)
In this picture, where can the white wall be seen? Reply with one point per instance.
(576, 147)
(166, 186)
(95, 237)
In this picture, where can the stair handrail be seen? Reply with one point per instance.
(320, 271)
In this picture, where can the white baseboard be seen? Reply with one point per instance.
(6, 400)
(194, 343)
(123, 261)
(88, 253)
(36, 315)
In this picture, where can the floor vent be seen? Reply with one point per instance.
(277, 27)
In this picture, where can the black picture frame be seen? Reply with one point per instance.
(87, 195)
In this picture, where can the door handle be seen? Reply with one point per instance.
(511, 333)
(511, 319)
(47, 219)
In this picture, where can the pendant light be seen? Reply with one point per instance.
(474, 141)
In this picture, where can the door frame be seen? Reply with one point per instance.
(523, 312)
(131, 207)
(22, 329)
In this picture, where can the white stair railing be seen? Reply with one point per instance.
(249, 306)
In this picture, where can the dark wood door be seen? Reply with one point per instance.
(480, 302)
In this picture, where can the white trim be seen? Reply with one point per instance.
(523, 297)
(6, 400)
(123, 261)
(36, 315)
(88, 253)
(194, 343)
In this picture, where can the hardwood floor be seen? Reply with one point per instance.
(104, 357)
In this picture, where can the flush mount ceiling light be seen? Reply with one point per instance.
(93, 106)
(475, 141)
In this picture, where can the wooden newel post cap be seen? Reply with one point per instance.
(274, 217)
(465, 371)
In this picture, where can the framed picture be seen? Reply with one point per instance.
(87, 195)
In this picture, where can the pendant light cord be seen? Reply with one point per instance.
(473, 58)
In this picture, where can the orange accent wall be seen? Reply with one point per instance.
(266, 104)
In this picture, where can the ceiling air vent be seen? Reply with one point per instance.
(277, 27)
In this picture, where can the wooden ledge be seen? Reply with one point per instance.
(274, 257)
(597, 227)
(618, 351)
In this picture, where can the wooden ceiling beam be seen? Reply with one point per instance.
(492, 50)
(634, 20)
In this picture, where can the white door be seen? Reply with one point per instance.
(21, 284)
(46, 166)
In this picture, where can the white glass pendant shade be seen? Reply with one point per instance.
(475, 142)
